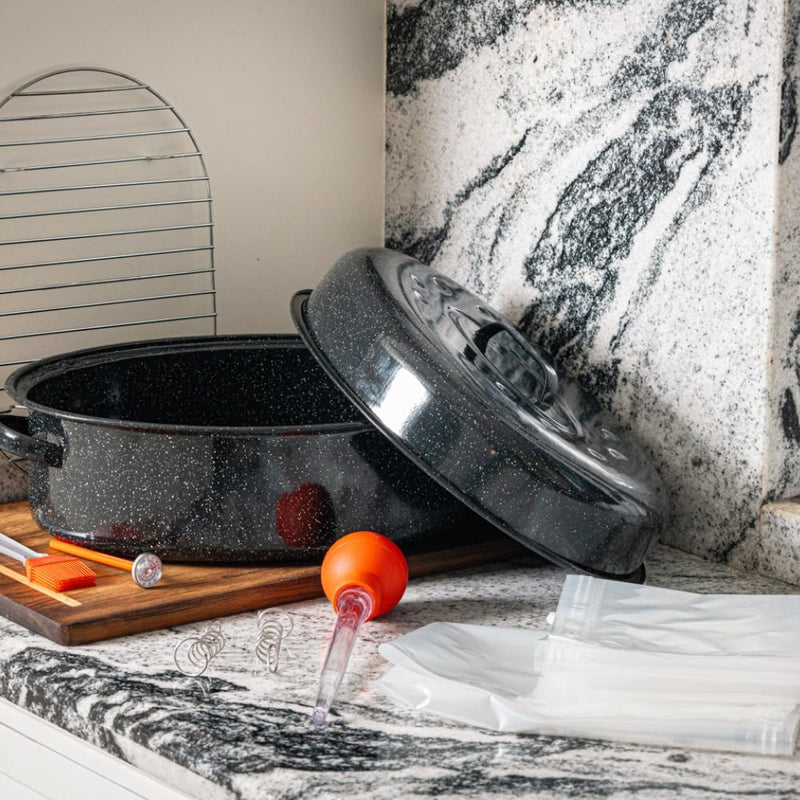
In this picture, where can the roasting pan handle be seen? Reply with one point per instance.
(19, 443)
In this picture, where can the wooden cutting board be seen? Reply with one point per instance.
(116, 606)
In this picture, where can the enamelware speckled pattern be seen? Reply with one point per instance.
(227, 449)
(483, 411)
(13, 483)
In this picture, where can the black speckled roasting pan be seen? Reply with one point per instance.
(224, 449)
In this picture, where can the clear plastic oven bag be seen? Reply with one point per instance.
(647, 618)
(484, 676)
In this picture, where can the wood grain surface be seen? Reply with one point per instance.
(116, 606)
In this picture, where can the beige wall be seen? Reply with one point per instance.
(286, 100)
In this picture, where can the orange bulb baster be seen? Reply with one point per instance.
(364, 575)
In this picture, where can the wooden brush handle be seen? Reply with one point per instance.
(62, 598)
(90, 555)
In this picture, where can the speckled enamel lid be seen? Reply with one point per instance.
(483, 411)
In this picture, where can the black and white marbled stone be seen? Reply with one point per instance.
(762, 552)
(251, 736)
(620, 177)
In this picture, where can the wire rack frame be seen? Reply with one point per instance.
(88, 282)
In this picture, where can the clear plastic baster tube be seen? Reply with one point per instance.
(354, 605)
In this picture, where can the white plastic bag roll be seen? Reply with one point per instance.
(484, 676)
(769, 730)
(723, 678)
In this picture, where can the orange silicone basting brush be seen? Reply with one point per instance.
(59, 573)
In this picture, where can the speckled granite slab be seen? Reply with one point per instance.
(776, 549)
(622, 178)
(251, 737)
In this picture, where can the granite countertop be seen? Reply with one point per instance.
(248, 734)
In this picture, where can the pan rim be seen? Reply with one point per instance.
(20, 382)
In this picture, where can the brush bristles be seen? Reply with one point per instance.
(59, 573)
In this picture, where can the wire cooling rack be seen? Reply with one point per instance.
(106, 229)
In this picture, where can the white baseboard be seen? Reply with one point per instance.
(11, 790)
(39, 761)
